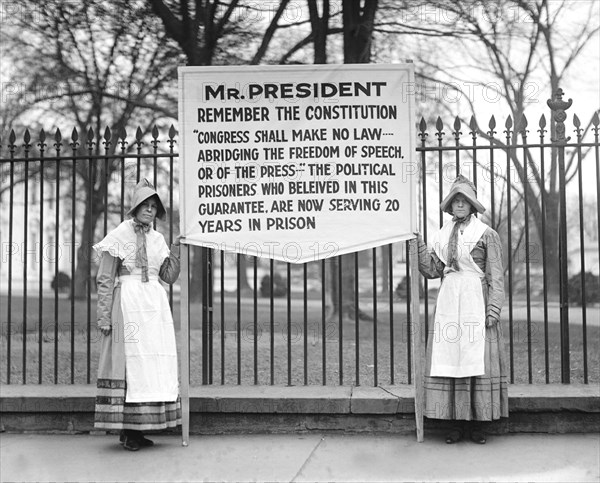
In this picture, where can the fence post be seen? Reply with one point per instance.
(184, 311)
(418, 339)
(558, 107)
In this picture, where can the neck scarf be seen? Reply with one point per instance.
(453, 242)
(141, 256)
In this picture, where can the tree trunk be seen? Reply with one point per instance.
(358, 29)
(85, 254)
(319, 26)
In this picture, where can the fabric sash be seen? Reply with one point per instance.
(453, 242)
(141, 255)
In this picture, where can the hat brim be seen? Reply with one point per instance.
(467, 192)
(142, 195)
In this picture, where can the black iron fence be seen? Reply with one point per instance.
(264, 322)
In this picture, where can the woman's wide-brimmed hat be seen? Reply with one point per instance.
(144, 190)
(467, 189)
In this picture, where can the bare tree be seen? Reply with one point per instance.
(91, 65)
(515, 50)
(358, 23)
(207, 31)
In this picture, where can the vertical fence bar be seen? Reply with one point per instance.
(340, 323)
(11, 203)
(171, 141)
(74, 144)
(324, 324)
(209, 298)
(57, 146)
(255, 315)
(596, 129)
(27, 146)
(439, 125)
(138, 144)
(222, 308)
(154, 143)
(541, 130)
(106, 176)
(409, 314)
(41, 145)
(508, 132)
(123, 143)
(523, 130)
(205, 322)
(289, 323)
(305, 315)
(558, 107)
(391, 302)
(473, 133)
(356, 321)
(491, 132)
(457, 132)
(238, 324)
(272, 321)
(90, 147)
(582, 272)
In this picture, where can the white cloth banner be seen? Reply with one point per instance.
(297, 163)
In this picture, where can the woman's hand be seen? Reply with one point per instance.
(105, 329)
(177, 240)
(490, 321)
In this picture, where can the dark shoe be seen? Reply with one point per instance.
(139, 437)
(454, 436)
(145, 442)
(478, 437)
(122, 437)
(131, 444)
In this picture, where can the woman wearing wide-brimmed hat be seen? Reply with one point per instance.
(465, 374)
(138, 386)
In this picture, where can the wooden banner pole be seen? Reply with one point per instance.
(185, 345)
(418, 340)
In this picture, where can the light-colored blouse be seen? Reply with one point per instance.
(487, 255)
(111, 268)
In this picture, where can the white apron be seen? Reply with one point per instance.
(149, 340)
(459, 327)
(149, 335)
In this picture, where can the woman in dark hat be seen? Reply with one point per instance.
(465, 375)
(137, 375)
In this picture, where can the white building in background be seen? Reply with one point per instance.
(591, 258)
(28, 249)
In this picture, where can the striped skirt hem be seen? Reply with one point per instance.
(112, 412)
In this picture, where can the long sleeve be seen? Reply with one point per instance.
(169, 270)
(494, 274)
(430, 265)
(105, 280)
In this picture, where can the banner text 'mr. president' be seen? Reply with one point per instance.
(301, 90)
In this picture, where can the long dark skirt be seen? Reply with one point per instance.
(112, 412)
(479, 398)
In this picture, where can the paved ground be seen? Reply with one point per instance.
(295, 457)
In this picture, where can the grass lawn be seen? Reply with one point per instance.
(287, 361)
